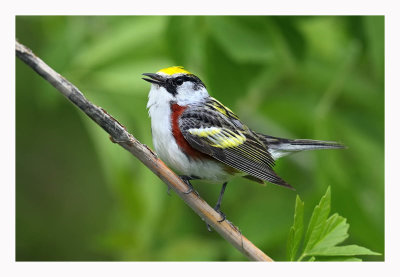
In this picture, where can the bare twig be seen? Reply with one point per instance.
(119, 135)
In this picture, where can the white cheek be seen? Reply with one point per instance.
(187, 95)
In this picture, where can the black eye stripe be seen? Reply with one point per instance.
(188, 78)
(172, 84)
(179, 81)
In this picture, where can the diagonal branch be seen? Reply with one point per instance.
(120, 135)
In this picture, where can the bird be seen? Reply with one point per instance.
(200, 138)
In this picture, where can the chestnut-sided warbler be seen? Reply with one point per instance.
(200, 138)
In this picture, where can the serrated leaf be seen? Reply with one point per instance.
(346, 250)
(325, 233)
(296, 231)
(334, 232)
(317, 221)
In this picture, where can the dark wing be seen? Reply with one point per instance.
(221, 135)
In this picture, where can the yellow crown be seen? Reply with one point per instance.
(174, 70)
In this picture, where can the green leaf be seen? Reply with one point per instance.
(347, 250)
(317, 221)
(334, 232)
(337, 259)
(296, 231)
(323, 235)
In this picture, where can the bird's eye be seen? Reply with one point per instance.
(179, 81)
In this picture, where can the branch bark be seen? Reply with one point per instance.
(120, 135)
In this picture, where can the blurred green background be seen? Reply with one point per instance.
(81, 197)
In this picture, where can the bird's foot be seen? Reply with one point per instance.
(190, 188)
(217, 207)
(223, 217)
(187, 179)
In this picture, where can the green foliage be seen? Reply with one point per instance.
(296, 231)
(81, 197)
(323, 235)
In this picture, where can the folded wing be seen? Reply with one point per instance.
(223, 137)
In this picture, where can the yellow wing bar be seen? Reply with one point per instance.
(219, 137)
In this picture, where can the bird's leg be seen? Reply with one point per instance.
(217, 207)
(187, 179)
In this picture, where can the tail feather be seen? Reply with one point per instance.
(279, 147)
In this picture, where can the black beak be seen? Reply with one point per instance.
(155, 78)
